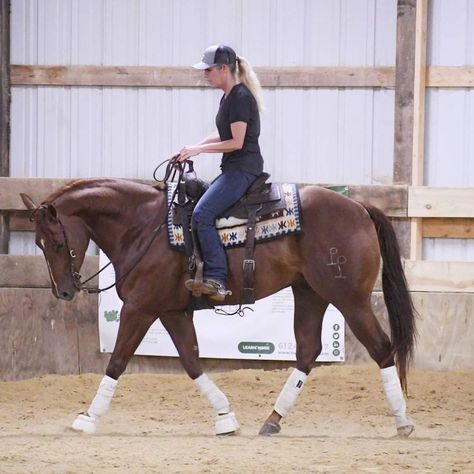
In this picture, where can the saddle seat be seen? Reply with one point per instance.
(264, 198)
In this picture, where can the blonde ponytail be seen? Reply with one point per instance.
(247, 76)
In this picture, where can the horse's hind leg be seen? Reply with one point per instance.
(309, 313)
(134, 324)
(181, 329)
(368, 331)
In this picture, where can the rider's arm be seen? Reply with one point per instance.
(238, 130)
(212, 138)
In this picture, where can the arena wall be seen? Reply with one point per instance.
(360, 92)
(41, 334)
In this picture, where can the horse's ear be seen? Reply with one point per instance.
(28, 202)
(52, 213)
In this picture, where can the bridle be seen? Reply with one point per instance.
(174, 167)
(76, 276)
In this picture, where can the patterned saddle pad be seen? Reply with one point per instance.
(275, 225)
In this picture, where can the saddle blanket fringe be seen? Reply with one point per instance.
(275, 225)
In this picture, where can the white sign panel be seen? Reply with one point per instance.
(264, 332)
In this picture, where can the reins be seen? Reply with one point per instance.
(173, 168)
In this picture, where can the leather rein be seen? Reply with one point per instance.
(173, 168)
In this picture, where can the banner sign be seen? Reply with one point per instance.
(265, 331)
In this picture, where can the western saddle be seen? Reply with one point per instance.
(261, 199)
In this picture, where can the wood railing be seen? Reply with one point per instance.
(444, 212)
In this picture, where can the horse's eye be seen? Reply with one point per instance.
(58, 246)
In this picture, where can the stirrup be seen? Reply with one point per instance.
(215, 290)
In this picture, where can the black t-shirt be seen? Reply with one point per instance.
(240, 106)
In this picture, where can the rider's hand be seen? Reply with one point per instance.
(188, 151)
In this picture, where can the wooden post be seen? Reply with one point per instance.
(416, 238)
(4, 111)
(404, 85)
(403, 139)
(410, 83)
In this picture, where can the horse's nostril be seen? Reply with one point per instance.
(66, 295)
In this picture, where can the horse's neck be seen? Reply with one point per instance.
(109, 213)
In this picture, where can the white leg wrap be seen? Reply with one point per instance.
(216, 397)
(105, 393)
(86, 422)
(393, 392)
(290, 392)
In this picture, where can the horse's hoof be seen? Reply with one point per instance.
(227, 424)
(405, 431)
(269, 429)
(84, 423)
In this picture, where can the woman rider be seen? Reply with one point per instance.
(238, 129)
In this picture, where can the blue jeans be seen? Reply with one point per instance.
(223, 192)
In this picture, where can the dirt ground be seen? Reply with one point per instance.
(159, 423)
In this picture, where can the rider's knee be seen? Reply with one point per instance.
(202, 216)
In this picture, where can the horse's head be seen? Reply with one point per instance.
(63, 243)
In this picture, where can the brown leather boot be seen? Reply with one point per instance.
(215, 290)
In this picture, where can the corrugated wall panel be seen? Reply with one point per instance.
(450, 115)
(324, 135)
(451, 28)
(173, 32)
(320, 135)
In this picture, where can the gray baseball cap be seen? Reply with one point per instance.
(216, 54)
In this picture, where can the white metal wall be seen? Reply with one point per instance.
(319, 135)
(307, 135)
(324, 135)
(450, 115)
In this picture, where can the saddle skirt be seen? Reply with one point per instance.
(278, 215)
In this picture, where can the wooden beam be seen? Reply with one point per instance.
(20, 222)
(446, 331)
(37, 188)
(165, 76)
(4, 87)
(392, 200)
(277, 76)
(31, 271)
(421, 201)
(424, 201)
(4, 233)
(418, 160)
(433, 276)
(450, 76)
(404, 91)
(419, 93)
(4, 112)
(446, 228)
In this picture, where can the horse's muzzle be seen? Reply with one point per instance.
(66, 295)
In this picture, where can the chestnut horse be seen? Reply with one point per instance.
(122, 218)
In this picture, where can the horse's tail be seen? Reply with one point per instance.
(401, 312)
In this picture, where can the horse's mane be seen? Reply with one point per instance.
(83, 183)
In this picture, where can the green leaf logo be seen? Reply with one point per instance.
(111, 316)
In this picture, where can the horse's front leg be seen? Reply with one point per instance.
(134, 324)
(181, 329)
